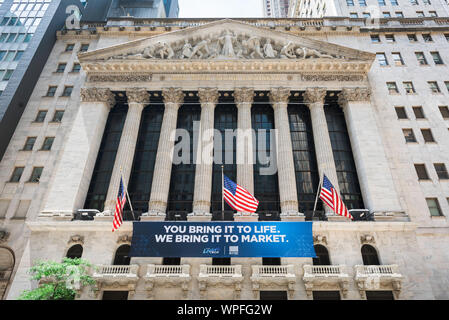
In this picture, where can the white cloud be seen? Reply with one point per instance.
(220, 8)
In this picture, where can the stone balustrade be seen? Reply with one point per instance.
(325, 277)
(227, 276)
(167, 276)
(378, 277)
(220, 271)
(116, 277)
(268, 276)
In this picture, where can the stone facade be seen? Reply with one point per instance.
(235, 56)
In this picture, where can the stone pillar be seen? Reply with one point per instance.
(284, 152)
(376, 181)
(173, 98)
(205, 156)
(314, 98)
(137, 99)
(73, 173)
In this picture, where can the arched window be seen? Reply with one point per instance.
(122, 257)
(322, 254)
(7, 261)
(75, 251)
(369, 255)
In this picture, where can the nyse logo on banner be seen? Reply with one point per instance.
(234, 250)
(211, 251)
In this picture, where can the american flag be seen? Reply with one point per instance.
(121, 200)
(330, 197)
(238, 197)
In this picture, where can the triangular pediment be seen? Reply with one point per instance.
(225, 40)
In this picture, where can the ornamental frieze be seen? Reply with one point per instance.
(120, 78)
(354, 94)
(332, 77)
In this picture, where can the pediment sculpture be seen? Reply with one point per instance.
(227, 46)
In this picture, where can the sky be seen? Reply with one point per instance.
(220, 8)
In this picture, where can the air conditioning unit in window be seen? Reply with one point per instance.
(361, 215)
(85, 214)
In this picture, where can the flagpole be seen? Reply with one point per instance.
(127, 194)
(316, 198)
(222, 192)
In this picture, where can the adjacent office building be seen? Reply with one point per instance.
(275, 8)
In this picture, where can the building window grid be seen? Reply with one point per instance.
(36, 174)
(48, 143)
(436, 57)
(419, 112)
(434, 207)
(17, 174)
(408, 87)
(433, 86)
(397, 58)
(421, 58)
(421, 171)
(29, 144)
(409, 135)
(444, 110)
(441, 171)
(427, 135)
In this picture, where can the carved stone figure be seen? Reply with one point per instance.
(165, 51)
(227, 41)
(268, 50)
(148, 53)
(201, 49)
(311, 53)
(288, 51)
(253, 47)
(186, 50)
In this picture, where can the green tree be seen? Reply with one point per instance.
(59, 280)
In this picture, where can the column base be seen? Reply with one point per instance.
(152, 218)
(199, 217)
(245, 217)
(337, 218)
(292, 217)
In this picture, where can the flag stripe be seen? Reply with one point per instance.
(331, 198)
(118, 214)
(238, 198)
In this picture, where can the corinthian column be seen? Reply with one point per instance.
(137, 99)
(376, 181)
(203, 173)
(173, 98)
(314, 98)
(284, 152)
(71, 180)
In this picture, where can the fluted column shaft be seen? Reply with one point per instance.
(286, 168)
(205, 157)
(173, 98)
(137, 99)
(314, 98)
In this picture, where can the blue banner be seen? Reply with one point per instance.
(222, 239)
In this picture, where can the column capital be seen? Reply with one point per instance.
(97, 95)
(208, 95)
(138, 95)
(173, 95)
(354, 94)
(243, 96)
(279, 95)
(314, 95)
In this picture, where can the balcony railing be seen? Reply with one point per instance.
(324, 271)
(112, 271)
(381, 270)
(274, 271)
(162, 271)
(220, 271)
(378, 277)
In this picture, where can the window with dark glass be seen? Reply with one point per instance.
(122, 257)
(427, 135)
(40, 117)
(390, 38)
(392, 88)
(379, 295)
(57, 117)
(436, 57)
(17, 174)
(322, 256)
(48, 142)
(141, 178)
(67, 91)
(303, 147)
(386, 14)
(419, 112)
(427, 37)
(444, 111)
(18, 55)
(28, 37)
(61, 68)
(8, 75)
(69, 47)
(84, 47)
(446, 83)
(441, 170)
(266, 186)
(434, 207)
(326, 295)
(115, 295)
(433, 86)
(20, 38)
(51, 91)
(36, 174)
(344, 161)
(421, 172)
(408, 86)
(75, 252)
(369, 255)
(399, 14)
(382, 59)
(182, 182)
(29, 144)
(420, 14)
(104, 165)
(76, 68)
(409, 135)
(421, 58)
(397, 58)
(375, 38)
(446, 35)
(412, 37)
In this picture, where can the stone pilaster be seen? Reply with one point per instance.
(314, 98)
(173, 98)
(284, 152)
(73, 174)
(374, 174)
(137, 99)
(205, 157)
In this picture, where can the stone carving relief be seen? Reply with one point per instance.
(228, 45)
(97, 95)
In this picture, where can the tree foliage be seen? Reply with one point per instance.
(59, 280)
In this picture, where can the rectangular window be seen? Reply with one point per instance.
(436, 57)
(381, 2)
(382, 59)
(414, 2)
(36, 174)
(19, 55)
(440, 168)
(8, 75)
(397, 59)
(394, 2)
(392, 88)
(362, 3)
(76, 68)
(353, 15)
(390, 38)
(67, 91)
(434, 207)
(84, 47)
(375, 38)
(444, 111)
(421, 172)
(400, 112)
(17, 174)
(2, 54)
(433, 14)
(420, 14)
(69, 47)
(10, 56)
(20, 38)
(409, 135)
(61, 68)
(386, 14)
(367, 15)
(28, 37)
(427, 37)
(421, 58)
(350, 3)
(41, 116)
(51, 91)
(447, 85)
(433, 86)
(427, 135)
(11, 37)
(412, 38)
(58, 116)
(419, 112)
(426, 2)
(446, 35)
(29, 144)
(3, 37)
(48, 142)
(408, 86)
(399, 14)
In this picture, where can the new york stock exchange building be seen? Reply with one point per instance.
(112, 97)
